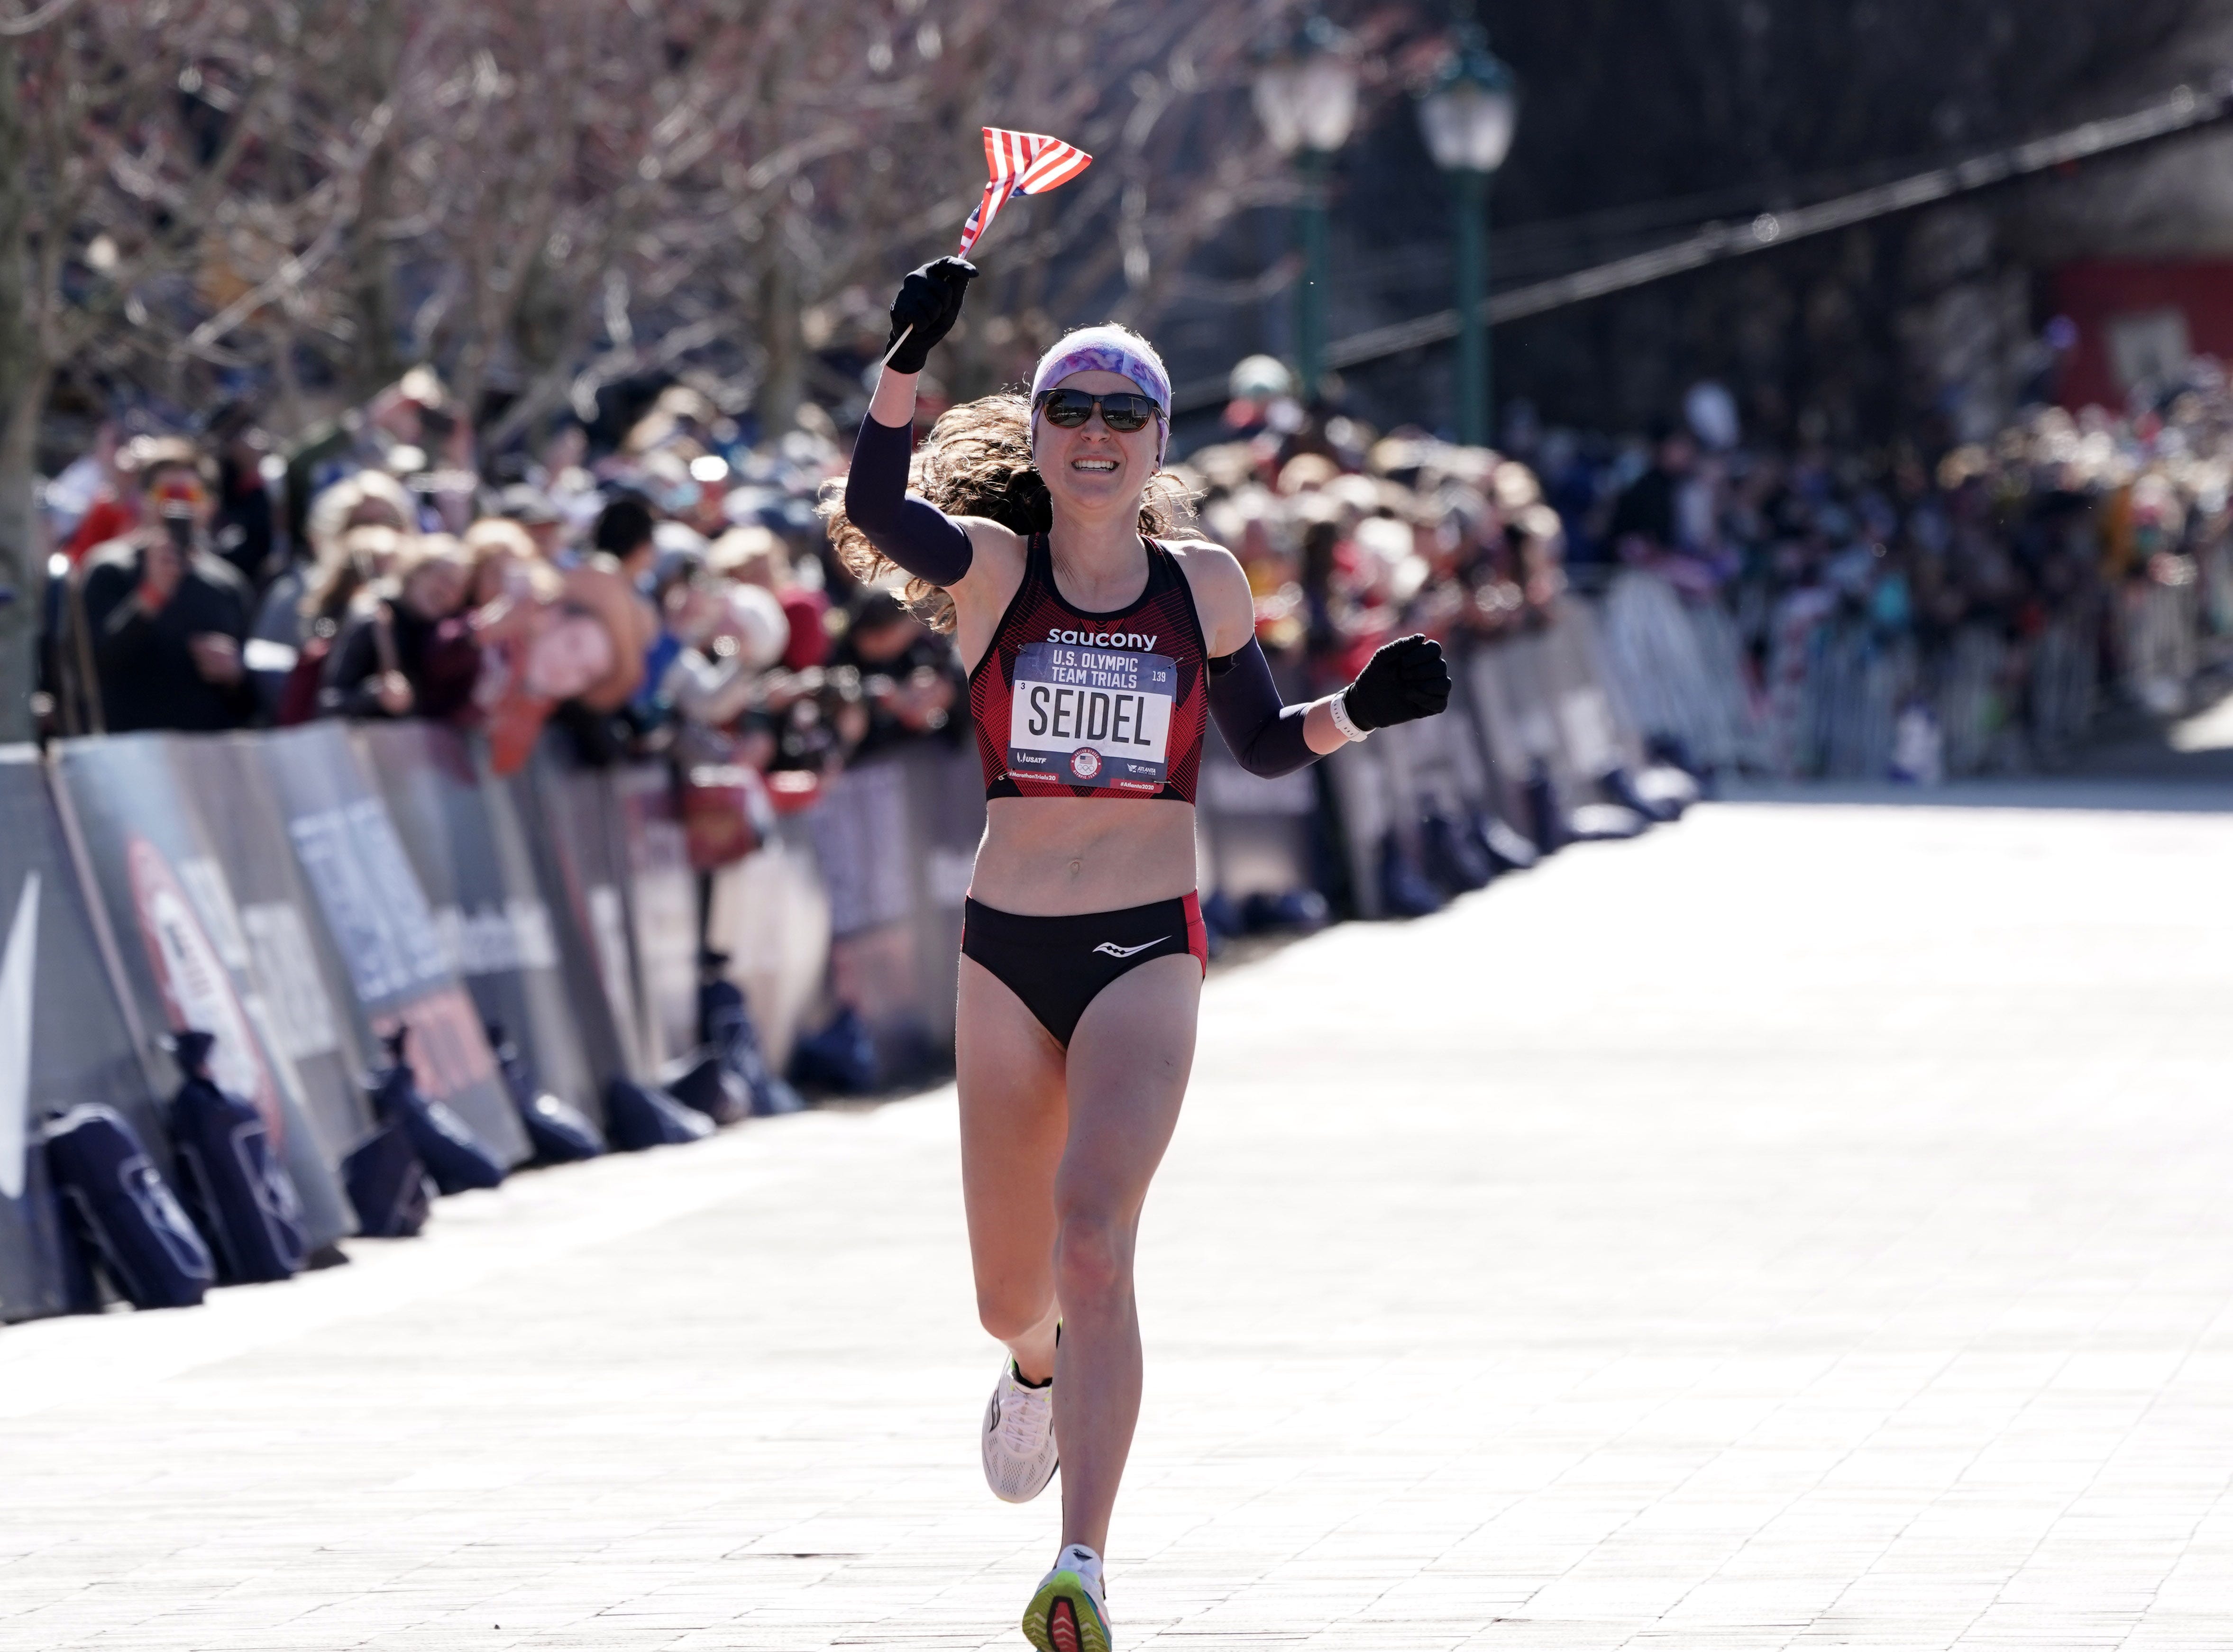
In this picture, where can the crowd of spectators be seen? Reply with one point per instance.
(674, 596)
(1809, 612)
(1819, 611)
(1350, 538)
(1917, 615)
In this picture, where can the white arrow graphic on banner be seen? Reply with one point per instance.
(17, 967)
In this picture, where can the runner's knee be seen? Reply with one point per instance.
(1008, 1316)
(1092, 1262)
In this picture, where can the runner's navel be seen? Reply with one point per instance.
(1076, 867)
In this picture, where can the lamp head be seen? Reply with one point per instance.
(1307, 91)
(1467, 115)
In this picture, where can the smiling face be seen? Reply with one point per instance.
(1092, 470)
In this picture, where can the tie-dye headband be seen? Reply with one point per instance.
(1104, 349)
(1110, 349)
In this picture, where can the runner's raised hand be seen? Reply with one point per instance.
(929, 304)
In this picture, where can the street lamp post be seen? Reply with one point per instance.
(1467, 116)
(1306, 97)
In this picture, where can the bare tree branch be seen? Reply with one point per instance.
(17, 27)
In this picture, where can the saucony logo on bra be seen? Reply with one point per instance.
(1105, 640)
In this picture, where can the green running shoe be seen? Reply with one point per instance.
(1067, 1614)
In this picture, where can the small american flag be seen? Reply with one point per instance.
(1020, 163)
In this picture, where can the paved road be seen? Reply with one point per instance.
(1808, 1226)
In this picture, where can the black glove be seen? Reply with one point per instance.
(1408, 678)
(928, 305)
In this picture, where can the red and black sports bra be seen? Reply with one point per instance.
(1072, 704)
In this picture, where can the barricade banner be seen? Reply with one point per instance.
(581, 864)
(946, 787)
(470, 852)
(1679, 668)
(1547, 704)
(1435, 766)
(64, 1035)
(1256, 833)
(1601, 731)
(771, 915)
(864, 845)
(1410, 799)
(662, 903)
(183, 957)
(303, 986)
(1515, 728)
(896, 838)
(377, 917)
(1367, 812)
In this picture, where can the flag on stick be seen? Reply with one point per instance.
(1015, 163)
(1020, 163)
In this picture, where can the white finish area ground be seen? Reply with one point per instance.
(1809, 1225)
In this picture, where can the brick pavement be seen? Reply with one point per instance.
(1807, 1227)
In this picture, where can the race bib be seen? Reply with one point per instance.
(1092, 717)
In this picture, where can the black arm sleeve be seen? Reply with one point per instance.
(1265, 735)
(915, 534)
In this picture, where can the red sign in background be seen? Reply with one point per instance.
(2138, 299)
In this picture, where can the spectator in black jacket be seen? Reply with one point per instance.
(242, 529)
(408, 647)
(1644, 522)
(165, 618)
(910, 677)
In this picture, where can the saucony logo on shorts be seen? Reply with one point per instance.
(1114, 950)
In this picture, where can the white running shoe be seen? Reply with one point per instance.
(1069, 1613)
(1018, 1442)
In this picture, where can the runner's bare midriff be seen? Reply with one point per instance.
(1055, 856)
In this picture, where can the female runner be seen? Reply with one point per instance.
(1097, 654)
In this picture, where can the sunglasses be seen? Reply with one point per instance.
(1123, 412)
(180, 491)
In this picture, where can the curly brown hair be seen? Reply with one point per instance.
(977, 462)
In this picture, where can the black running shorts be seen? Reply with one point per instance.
(1058, 966)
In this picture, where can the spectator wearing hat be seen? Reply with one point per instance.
(163, 619)
(754, 554)
(539, 514)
